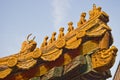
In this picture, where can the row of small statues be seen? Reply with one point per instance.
(95, 11)
(30, 45)
(60, 35)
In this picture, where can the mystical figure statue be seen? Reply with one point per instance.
(61, 33)
(92, 12)
(29, 45)
(70, 27)
(44, 42)
(98, 11)
(53, 38)
(82, 19)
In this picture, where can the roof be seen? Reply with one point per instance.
(87, 47)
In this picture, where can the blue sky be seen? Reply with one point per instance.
(18, 18)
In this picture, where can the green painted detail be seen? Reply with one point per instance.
(58, 71)
(78, 62)
(53, 74)
(35, 78)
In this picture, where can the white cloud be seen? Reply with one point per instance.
(60, 11)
